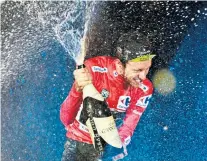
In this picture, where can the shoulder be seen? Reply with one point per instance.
(142, 94)
(100, 63)
(144, 89)
(147, 86)
(99, 60)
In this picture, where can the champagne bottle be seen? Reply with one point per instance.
(88, 105)
(100, 121)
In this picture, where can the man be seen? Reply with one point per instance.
(122, 82)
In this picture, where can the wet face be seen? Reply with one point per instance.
(136, 72)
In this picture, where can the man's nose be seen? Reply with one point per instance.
(142, 75)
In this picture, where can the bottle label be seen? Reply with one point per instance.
(106, 128)
(96, 139)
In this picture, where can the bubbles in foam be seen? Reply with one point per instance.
(28, 27)
(164, 81)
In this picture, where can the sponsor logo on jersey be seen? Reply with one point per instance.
(99, 69)
(83, 127)
(143, 87)
(118, 157)
(115, 73)
(127, 140)
(143, 101)
(105, 93)
(123, 102)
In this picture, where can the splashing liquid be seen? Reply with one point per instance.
(70, 31)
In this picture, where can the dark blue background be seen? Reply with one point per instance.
(183, 111)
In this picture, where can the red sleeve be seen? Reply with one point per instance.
(72, 103)
(133, 114)
(70, 106)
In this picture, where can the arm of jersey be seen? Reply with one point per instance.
(130, 122)
(72, 103)
(70, 106)
(132, 118)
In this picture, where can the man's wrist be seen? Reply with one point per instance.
(78, 88)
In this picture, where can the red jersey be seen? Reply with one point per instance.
(129, 101)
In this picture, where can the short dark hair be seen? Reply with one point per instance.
(131, 45)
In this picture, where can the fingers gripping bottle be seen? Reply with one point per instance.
(100, 121)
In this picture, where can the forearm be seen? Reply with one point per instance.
(130, 122)
(70, 106)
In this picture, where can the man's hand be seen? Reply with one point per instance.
(82, 78)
